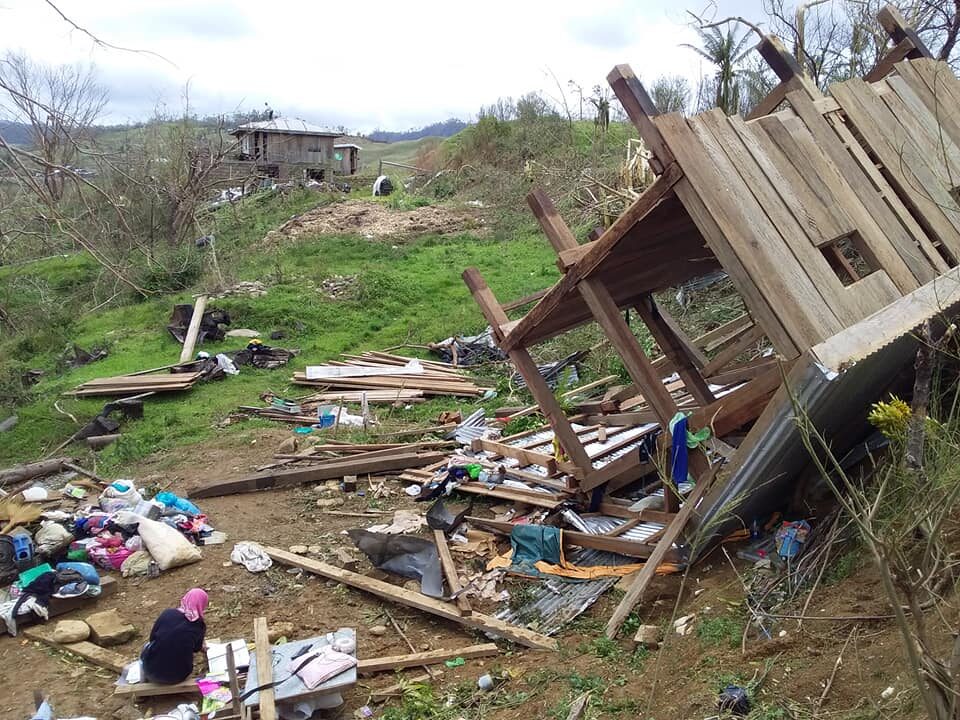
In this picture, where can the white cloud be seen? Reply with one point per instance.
(377, 64)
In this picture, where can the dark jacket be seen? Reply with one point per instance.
(168, 657)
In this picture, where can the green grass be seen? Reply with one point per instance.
(720, 630)
(406, 293)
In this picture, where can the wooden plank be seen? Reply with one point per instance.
(733, 351)
(431, 657)
(761, 267)
(906, 165)
(416, 600)
(145, 689)
(785, 65)
(723, 334)
(355, 465)
(773, 99)
(894, 55)
(664, 545)
(94, 654)
(778, 201)
(929, 88)
(261, 639)
(527, 457)
(822, 178)
(676, 351)
(193, 330)
(893, 219)
(450, 572)
(525, 300)
(744, 372)
(899, 30)
(640, 108)
(530, 497)
(740, 406)
(527, 368)
(630, 548)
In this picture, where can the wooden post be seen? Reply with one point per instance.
(899, 30)
(677, 352)
(785, 65)
(640, 108)
(261, 638)
(450, 571)
(190, 341)
(525, 365)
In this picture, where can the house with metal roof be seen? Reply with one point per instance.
(290, 148)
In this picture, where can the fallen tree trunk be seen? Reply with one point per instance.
(21, 473)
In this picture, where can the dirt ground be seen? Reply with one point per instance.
(678, 681)
(375, 220)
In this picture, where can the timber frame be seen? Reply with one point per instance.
(823, 209)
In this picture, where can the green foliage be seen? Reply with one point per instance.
(522, 424)
(418, 703)
(842, 567)
(171, 270)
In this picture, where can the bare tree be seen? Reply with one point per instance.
(58, 104)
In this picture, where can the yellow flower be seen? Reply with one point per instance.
(890, 418)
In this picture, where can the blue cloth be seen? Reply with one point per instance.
(679, 451)
(531, 544)
(179, 503)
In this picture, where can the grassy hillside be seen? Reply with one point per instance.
(403, 152)
(406, 293)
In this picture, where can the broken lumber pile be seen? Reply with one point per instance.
(375, 371)
(136, 384)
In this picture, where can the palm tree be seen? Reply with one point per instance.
(725, 50)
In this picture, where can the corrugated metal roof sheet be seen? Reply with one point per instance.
(289, 126)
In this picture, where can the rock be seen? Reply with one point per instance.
(107, 628)
(412, 586)
(346, 560)
(70, 631)
(314, 549)
(277, 630)
(288, 446)
(242, 333)
(684, 625)
(647, 636)
(378, 630)
(298, 549)
(327, 503)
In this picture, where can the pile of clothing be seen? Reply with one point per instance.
(32, 592)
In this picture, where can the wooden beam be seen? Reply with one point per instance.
(899, 30)
(527, 368)
(354, 465)
(261, 639)
(676, 351)
(884, 65)
(739, 407)
(400, 595)
(664, 546)
(145, 689)
(640, 108)
(785, 65)
(731, 352)
(450, 572)
(525, 300)
(94, 654)
(431, 657)
(773, 99)
(193, 330)
(527, 457)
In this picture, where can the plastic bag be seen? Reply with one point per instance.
(178, 503)
(119, 495)
(51, 536)
(251, 555)
(167, 546)
(226, 364)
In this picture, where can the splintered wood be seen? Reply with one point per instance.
(396, 374)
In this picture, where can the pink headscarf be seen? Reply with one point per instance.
(194, 604)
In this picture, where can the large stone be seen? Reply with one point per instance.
(378, 630)
(277, 630)
(107, 628)
(647, 636)
(288, 446)
(327, 503)
(70, 631)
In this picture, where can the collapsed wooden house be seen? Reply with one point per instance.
(836, 218)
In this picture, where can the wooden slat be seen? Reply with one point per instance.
(905, 164)
(927, 83)
(885, 64)
(663, 547)
(261, 639)
(450, 572)
(368, 666)
(527, 457)
(747, 231)
(892, 217)
(415, 600)
(734, 350)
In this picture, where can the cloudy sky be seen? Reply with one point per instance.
(392, 65)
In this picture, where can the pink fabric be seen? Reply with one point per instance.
(194, 604)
